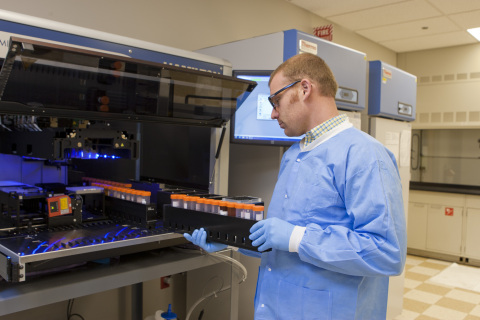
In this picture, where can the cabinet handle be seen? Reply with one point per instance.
(435, 206)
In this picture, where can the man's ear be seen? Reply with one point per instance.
(306, 87)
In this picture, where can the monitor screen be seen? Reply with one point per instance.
(252, 122)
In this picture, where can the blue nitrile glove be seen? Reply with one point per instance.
(199, 238)
(272, 233)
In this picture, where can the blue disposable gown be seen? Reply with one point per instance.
(347, 193)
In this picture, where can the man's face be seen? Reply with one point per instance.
(288, 110)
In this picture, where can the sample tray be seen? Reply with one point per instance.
(224, 229)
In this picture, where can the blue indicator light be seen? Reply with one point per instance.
(81, 154)
(41, 244)
(76, 245)
(46, 249)
(120, 231)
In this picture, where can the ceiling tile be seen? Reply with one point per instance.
(385, 15)
(325, 8)
(455, 6)
(430, 42)
(467, 20)
(398, 24)
(410, 29)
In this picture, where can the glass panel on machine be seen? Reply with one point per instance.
(49, 79)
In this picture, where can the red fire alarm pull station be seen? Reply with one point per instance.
(448, 211)
(59, 205)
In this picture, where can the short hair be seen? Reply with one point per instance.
(307, 65)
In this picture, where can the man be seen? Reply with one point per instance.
(336, 224)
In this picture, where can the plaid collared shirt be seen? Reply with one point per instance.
(323, 128)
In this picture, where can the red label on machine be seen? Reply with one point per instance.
(448, 211)
(59, 205)
(387, 73)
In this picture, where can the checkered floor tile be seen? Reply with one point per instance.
(426, 300)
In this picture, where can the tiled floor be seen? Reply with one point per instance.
(426, 300)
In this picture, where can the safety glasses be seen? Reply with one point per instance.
(275, 103)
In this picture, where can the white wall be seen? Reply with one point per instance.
(447, 92)
(189, 25)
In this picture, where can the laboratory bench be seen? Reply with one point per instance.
(444, 224)
(130, 270)
(443, 187)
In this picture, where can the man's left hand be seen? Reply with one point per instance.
(272, 233)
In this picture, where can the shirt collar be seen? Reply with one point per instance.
(323, 128)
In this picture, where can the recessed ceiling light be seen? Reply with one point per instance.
(475, 32)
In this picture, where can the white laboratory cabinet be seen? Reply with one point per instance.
(417, 225)
(444, 228)
(444, 225)
(472, 224)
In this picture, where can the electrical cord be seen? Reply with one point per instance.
(210, 280)
(69, 311)
(235, 262)
(200, 315)
(215, 293)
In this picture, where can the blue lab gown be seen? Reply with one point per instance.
(347, 193)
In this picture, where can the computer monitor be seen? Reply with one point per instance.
(252, 122)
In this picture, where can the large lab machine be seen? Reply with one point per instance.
(391, 109)
(97, 131)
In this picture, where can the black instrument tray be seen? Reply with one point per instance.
(224, 229)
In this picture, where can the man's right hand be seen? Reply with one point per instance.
(199, 238)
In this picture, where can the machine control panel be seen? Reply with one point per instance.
(405, 109)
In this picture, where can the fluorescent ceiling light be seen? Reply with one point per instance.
(475, 32)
